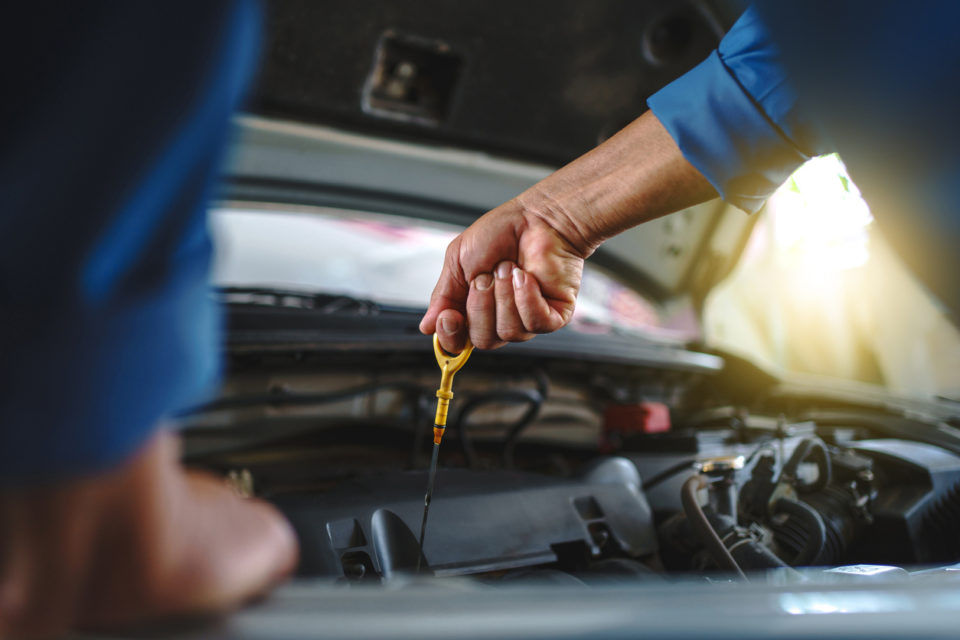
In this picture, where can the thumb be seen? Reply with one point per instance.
(450, 291)
(451, 329)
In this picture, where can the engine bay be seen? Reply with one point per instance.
(572, 473)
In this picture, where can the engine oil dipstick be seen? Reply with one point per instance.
(449, 365)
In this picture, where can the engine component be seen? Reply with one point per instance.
(917, 509)
(811, 538)
(482, 522)
(809, 449)
(782, 516)
(709, 534)
(813, 521)
(840, 526)
(703, 528)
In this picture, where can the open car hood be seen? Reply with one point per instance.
(411, 100)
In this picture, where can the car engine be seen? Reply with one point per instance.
(560, 471)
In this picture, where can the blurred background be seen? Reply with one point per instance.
(818, 291)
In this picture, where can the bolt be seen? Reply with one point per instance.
(354, 570)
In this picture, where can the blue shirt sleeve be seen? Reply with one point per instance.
(736, 118)
(881, 77)
(114, 120)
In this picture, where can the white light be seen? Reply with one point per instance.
(820, 220)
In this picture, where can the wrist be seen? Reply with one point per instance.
(637, 175)
(565, 218)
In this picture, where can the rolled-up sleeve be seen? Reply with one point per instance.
(737, 119)
(114, 122)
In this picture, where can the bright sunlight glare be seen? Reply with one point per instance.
(818, 291)
(820, 220)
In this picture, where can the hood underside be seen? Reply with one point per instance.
(540, 80)
(462, 106)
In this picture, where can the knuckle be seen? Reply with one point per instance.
(539, 324)
(453, 248)
(483, 343)
(453, 346)
(484, 340)
(511, 334)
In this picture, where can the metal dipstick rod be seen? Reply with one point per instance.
(449, 365)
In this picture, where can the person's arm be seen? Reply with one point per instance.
(730, 126)
(516, 271)
(138, 543)
(114, 121)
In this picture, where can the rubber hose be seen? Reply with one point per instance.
(807, 447)
(701, 526)
(812, 523)
(537, 398)
(669, 472)
(513, 435)
(459, 421)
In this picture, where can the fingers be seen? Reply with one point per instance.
(504, 279)
(482, 313)
(509, 306)
(212, 553)
(451, 329)
(536, 312)
(41, 569)
(239, 549)
(510, 327)
(450, 291)
(133, 544)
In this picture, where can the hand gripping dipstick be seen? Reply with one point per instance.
(449, 365)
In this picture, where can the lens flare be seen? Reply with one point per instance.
(819, 221)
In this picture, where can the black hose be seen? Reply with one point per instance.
(767, 445)
(532, 397)
(811, 522)
(821, 457)
(687, 464)
(668, 473)
(536, 403)
(517, 428)
(701, 526)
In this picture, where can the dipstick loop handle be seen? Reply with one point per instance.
(449, 365)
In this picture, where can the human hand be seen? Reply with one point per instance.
(129, 546)
(540, 238)
(512, 274)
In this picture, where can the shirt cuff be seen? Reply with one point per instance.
(724, 134)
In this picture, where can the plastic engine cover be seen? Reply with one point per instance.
(479, 521)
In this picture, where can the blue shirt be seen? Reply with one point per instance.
(876, 81)
(113, 122)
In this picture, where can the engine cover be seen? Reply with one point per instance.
(479, 521)
(918, 508)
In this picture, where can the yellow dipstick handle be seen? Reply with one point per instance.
(449, 365)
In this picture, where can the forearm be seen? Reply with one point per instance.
(637, 175)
